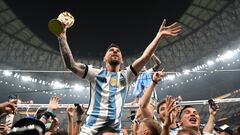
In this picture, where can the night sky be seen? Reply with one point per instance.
(131, 25)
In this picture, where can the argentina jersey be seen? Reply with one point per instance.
(108, 94)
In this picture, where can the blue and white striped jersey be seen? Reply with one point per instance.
(108, 92)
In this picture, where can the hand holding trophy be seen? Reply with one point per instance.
(56, 26)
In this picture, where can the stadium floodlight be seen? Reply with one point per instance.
(210, 63)
(57, 85)
(7, 73)
(78, 87)
(170, 77)
(186, 72)
(178, 74)
(26, 78)
(236, 51)
(227, 55)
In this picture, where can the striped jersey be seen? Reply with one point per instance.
(143, 81)
(108, 92)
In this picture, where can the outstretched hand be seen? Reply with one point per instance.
(53, 103)
(157, 76)
(70, 110)
(171, 30)
(80, 111)
(213, 112)
(4, 128)
(8, 107)
(169, 109)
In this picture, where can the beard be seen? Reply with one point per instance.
(114, 63)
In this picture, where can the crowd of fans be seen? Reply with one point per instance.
(109, 86)
(173, 119)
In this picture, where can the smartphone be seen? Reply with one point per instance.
(132, 116)
(213, 105)
(178, 101)
(79, 109)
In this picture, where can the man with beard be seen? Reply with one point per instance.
(109, 85)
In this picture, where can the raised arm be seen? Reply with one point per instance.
(8, 107)
(157, 76)
(171, 30)
(70, 111)
(70, 63)
(167, 120)
(156, 61)
(80, 112)
(211, 121)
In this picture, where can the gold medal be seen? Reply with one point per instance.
(113, 81)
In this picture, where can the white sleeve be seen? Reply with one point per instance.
(150, 70)
(91, 73)
(130, 75)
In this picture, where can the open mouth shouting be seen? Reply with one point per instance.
(193, 120)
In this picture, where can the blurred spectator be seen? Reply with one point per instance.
(49, 117)
(149, 127)
(7, 111)
(4, 129)
(124, 131)
(28, 126)
(7, 107)
(223, 130)
(79, 112)
(169, 117)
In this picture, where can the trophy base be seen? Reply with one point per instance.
(55, 26)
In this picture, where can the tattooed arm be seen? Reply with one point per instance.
(70, 63)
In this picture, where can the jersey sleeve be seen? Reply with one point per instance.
(131, 74)
(91, 73)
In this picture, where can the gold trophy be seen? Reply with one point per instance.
(56, 26)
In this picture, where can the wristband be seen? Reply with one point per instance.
(154, 81)
(49, 110)
(44, 117)
(79, 121)
(48, 114)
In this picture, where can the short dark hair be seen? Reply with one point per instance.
(29, 121)
(159, 104)
(184, 108)
(113, 45)
(153, 126)
(223, 128)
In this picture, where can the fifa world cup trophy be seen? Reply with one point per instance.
(56, 26)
